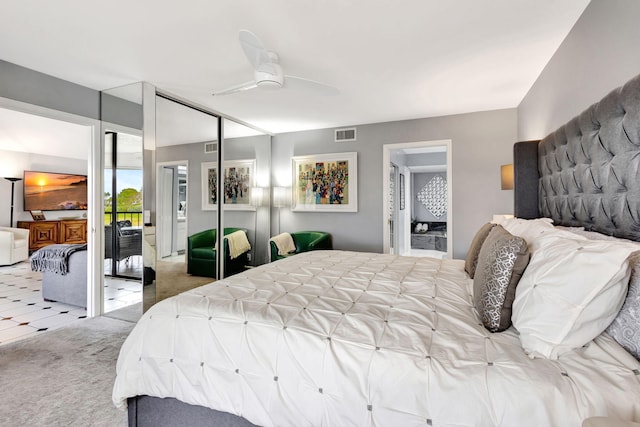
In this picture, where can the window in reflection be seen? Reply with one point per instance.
(123, 205)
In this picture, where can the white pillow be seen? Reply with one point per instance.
(570, 292)
(529, 229)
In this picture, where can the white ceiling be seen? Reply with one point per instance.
(390, 60)
(428, 58)
(35, 134)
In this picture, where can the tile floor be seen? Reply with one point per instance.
(23, 311)
(120, 293)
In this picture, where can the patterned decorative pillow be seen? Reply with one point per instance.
(501, 262)
(625, 328)
(474, 249)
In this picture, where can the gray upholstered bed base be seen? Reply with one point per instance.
(146, 411)
(70, 288)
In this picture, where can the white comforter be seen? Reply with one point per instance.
(334, 338)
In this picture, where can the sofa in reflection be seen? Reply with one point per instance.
(201, 254)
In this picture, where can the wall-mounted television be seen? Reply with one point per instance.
(47, 191)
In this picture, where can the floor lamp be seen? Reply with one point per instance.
(257, 200)
(281, 198)
(13, 185)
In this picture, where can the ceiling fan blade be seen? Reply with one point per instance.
(238, 88)
(255, 52)
(311, 85)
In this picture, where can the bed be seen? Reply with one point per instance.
(339, 338)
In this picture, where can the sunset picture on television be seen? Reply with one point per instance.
(48, 191)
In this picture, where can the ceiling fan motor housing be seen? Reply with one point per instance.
(269, 75)
(267, 72)
(267, 79)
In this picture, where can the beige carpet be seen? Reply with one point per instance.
(172, 279)
(63, 377)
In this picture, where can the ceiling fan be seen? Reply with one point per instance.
(267, 72)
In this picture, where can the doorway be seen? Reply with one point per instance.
(42, 132)
(395, 194)
(172, 209)
(417, 199)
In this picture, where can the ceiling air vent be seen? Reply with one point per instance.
(210, 147)
(345, 134)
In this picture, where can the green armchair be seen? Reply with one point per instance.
(304, 241)
(201, 255)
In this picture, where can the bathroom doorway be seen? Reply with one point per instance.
(417, 219)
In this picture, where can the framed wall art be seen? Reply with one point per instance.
(209, 176)
(239, 178)
(325, 182)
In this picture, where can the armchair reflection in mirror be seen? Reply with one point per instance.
(287, 244)
(201, 252)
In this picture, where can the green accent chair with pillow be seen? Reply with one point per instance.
(304, 241)
(201, 254)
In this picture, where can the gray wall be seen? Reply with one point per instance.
(120, 111)
(198, 219)
(598, 55)
(427, 159)
(25, 85)
(481, 142)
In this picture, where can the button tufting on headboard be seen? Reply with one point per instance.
(589, 169)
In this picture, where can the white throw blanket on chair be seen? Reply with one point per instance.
(238, 243)
(284, 243)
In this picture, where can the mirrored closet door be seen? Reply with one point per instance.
(186, 138)
(122, 119)
(190, 205)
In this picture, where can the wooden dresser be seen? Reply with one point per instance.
(49, 232)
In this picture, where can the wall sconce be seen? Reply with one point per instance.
(281, 196)
(506, 177)
(257, 196)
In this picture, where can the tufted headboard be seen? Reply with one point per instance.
(586, 173)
